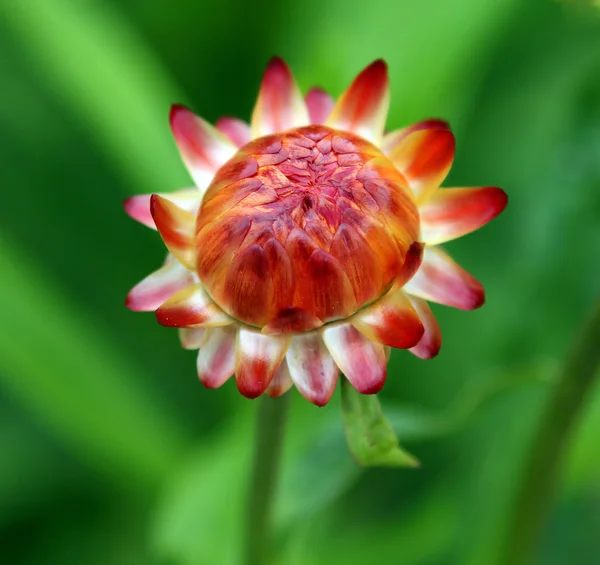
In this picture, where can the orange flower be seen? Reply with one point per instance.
(310, 242)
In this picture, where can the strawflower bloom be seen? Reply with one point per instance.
(310, 242)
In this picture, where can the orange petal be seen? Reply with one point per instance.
(203, 148)
(441, 280)
(216, 358)
(454, 212)
(176, 227)
(319, 104)
(359, 262)
(249, 286)
(362, 361)
(391, 139)
(429, 345)
(324, 289)
(150, 293)
(258, 357)
(238, 131)
(280, 105)
(391, 321)
(281, 383)
(362, 109)
(192, 338)
(191, 307)
(138, 207)
(424, 157)
(312, 368)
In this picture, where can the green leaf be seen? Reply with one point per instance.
(370, 436)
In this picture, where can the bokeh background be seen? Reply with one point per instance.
(111, 452)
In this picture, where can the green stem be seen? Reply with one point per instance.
(267, 451)
(535, 493)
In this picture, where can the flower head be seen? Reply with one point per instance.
(309, 244)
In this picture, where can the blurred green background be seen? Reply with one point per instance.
(111, 452)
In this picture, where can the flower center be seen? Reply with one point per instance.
(304, 227)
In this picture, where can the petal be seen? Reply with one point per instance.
(363, 108)
(391, 321)
(429, 345)
(424, 157)
(280, 105)
(192, 338)
(176, 227)
(359, 262)
(361, 360)
(238, 131)
(454, 212)
(138, 207)
(203, 148)
(150, 293)
(319, 104)
(312, 368)
(191, 307)
(441, 280)
(281, 383)
(258, 357)
(216, 358)
(391, 139)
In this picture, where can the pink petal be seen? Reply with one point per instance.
(454, 212)
(280, 105)
(176, 227)
(150, 293)
(258, 357)
(441, 280)
(362, 361)
(319, 104)
(236, 130)
(424, 156)
(431, 342)
(281, 383)
(312, 368)
(191, 338)
(216, 358)
(392, 321)
(203, 148)
(191, 307)
(362, 109)
(138, 207)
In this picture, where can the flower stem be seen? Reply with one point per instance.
(535, 493)
(270, 428)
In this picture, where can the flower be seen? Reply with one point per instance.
(310, 242)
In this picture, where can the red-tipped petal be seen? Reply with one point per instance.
(362, 109)
(176, 227)
(258, 357)
(191, 338)
(361, 360)
(281, 383)
(424, 157)
(151, 292)
(454, 212)
(319, 104)
(429, 345)
(392, 321)
(216, 358)
(138, 207)
(203, 148)
(391, 139)
(312, 368)
(280, 105)
(191, 307)
(238, 131)
(441, 280)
